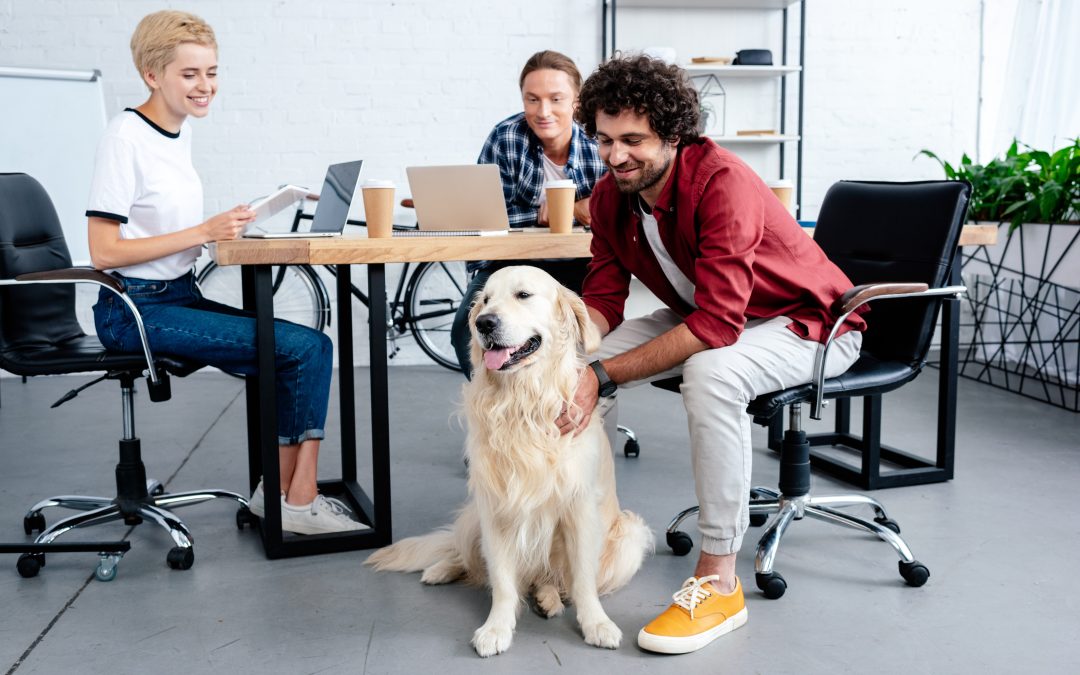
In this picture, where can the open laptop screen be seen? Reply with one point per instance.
(336, 197)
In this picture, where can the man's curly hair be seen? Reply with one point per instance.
(648, 87)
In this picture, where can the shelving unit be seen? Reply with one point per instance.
(747, 12)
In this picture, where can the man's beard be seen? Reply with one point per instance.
(650, 176)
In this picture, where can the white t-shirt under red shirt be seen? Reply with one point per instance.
(144, 179)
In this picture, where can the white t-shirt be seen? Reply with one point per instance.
(144, 179)
(679, 281)
(552, 171)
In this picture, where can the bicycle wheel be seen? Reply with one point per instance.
(432, 298)
(299, 294)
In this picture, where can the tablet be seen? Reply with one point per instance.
(282, 198)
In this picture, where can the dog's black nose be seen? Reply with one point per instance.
(487, 323)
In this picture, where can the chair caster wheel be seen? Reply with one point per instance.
(29, 564)
(771, 584)
(106, 569)
(244, 516)
(680, 543)
(631, 448)
(34, 523)
(889, 523)
(180, 558)
(915, 573)
(758, 519)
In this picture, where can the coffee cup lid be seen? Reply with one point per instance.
(782, 183)
(377, 183)
(566, 183)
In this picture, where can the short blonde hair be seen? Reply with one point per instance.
(154, 42)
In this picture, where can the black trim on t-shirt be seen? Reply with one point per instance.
(107, 216)
(151, 123)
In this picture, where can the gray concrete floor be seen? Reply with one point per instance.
(1001, 541)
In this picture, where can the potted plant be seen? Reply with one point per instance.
(1024, 294)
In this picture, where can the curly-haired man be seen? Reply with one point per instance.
(746, 293)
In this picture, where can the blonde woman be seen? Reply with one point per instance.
(146, 228)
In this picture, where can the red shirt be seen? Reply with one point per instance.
(730, 236)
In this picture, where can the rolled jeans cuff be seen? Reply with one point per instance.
(309, 435)
(714, 546)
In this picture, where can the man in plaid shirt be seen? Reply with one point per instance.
(541, 144)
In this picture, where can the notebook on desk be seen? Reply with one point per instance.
(465, 200)
(335, 199)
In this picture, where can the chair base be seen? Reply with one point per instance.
(787, 510)
(156, 506)
(792, 502)
(632, 448)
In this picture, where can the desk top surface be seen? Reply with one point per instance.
(359, 249)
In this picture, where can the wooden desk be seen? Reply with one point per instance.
(257, 257)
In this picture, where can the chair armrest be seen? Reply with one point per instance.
(76, 274)
(864, 293)
(857, 297)
(89, 275)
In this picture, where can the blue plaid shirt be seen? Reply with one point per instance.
(519, 155)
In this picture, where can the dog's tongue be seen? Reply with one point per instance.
(495, 358)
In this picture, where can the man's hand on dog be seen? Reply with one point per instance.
(585, 398)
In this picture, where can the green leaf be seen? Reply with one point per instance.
(1023, 185)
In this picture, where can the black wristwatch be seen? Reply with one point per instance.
(606, 387)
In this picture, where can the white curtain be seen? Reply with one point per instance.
(1034, 95)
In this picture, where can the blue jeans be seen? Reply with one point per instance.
(180, 322)
(570, 272)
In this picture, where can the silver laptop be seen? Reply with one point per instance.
(332, 211)
(457, 200)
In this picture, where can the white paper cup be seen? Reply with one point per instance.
(560, 201)
(784, 190)
(379, 207)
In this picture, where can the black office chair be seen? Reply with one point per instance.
(39, 335)
(895, 241)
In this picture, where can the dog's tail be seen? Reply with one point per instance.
(628, 542)
(414, 554)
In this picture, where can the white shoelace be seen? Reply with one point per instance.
(336, 507)
(692, 594)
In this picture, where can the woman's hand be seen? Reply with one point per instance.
(228, 225)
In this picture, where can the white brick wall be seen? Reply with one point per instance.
(306, 83)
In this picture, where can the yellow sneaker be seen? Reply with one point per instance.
(699, 615)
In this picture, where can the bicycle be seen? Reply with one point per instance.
(424, 303)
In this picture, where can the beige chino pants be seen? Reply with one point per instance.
(717, 386)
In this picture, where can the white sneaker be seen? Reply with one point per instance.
(322, 516)
(257, 503)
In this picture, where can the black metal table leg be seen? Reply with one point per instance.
(380, 406)
(263, 458)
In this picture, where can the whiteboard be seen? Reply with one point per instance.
(50, 126)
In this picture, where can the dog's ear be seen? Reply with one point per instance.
(588, 337)
(476, 353)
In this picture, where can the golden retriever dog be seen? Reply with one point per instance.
(542, 515)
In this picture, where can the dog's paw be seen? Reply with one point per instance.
(602, 634)
(549, 601)
(442, 572)
(490, 640)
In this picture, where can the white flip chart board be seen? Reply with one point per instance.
(50, 125)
